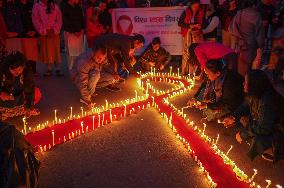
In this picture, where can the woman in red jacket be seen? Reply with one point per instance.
(190, 23)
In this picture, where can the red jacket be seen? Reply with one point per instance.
(188, 17)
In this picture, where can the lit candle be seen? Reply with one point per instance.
(25, 125)
(217, 139)
(204, 128)
(171, 69)
(55, 116)
(253, 176)
(178, 72)
(82, 125)
(136, 96)
(268, 183)
(52, 137)
(106, 105)
(82, 111)
(71, 112)
(229, 150)
(103, 119)
(278, 186)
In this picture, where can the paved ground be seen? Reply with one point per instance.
(118, 155)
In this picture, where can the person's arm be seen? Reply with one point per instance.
(145, 57)
(125, 57)
(181, 22)
(213, 25)
(36, 19)
(242, 110)
(29, 87)
(260, 33)
(58, 23)
(167, 57)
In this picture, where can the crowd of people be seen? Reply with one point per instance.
(224, 46)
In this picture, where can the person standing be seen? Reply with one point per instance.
(190, 22)
(211, 23)
(29, 35)
(248, 30)
(229, 10)
(73, 24)
(12, 16)
(93, 28)
(47, 20)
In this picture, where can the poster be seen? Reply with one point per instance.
(151, 22)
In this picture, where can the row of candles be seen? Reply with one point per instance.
(183, 84)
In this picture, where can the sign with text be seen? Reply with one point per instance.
(151, 22)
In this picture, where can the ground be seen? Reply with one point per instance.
(139, 151)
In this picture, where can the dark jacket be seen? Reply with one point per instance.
(161, 57)
(73, 20)
(117, 44)
(12, 16)
(231, 94)
(22, 87)
(266, 125)
(26, 16)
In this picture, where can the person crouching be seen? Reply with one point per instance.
(155, 56)
(91, 71)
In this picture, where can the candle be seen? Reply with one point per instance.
(106, 105)
(55, 116)
(99, 122)
(52, 137)
(204, 128)
(268, 183)
(103, 119)
(229, 150)
(25, 125)
(124, 110)
(110, 115)
(93, 122)
(253, 176)
(71, 112)
(178, 72)
(136, 96)
(171, 69)
(82, 111)
(278, 186)
(82, 125)
(217, 139)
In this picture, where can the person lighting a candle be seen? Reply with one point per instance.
(18, 93)
(263, 108)
(92, 71)
(155, 56)
(221, 94)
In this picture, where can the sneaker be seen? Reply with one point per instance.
(58, 73)
(267, 157)
(113, 88)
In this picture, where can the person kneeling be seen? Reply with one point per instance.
(18, 93)
(155, 56)
(90, 72)
(221, 94)
(261, 116)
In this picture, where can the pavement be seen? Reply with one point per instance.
(135, 152)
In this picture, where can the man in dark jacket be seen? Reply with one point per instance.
(121, 50)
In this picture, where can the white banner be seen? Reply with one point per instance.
(151, 22)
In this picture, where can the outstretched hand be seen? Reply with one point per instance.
(229, 121)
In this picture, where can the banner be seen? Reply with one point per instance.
(151, 22)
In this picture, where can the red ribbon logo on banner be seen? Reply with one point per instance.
(119, 27)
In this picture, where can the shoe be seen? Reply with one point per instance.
(267, 157)
(48, 73)
(58, 73)
(113, 88)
